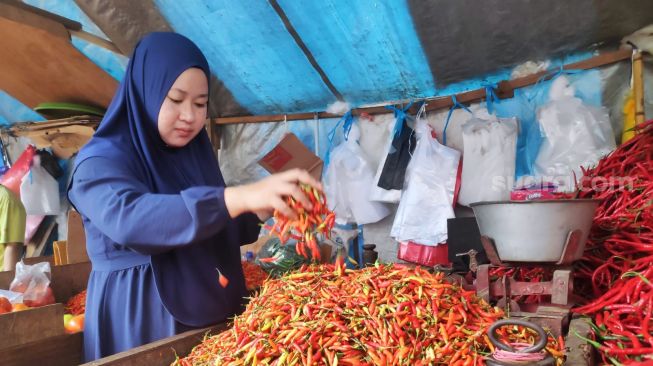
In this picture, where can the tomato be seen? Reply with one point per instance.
(75, 324)
(46, 298)
(5, 305)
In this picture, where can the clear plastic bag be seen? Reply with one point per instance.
(575, 135)
(39, 191)
(427, 201)
(33, 281)
(488, 172)
(347, 184)
(276, 258)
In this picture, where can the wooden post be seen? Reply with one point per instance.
(638, 87)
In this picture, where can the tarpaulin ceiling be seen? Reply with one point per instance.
(283, 56)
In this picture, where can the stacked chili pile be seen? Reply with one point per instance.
(309, 223)
(618, 261)
(254, 275)
(76, 305)
(381, 315)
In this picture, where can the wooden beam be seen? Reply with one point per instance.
(161, 352)
(505, 90)
(16, 12)
(69, 24)
(98, 41)
(48, 68)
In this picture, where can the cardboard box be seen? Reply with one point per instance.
(291, 153)
(76, 241)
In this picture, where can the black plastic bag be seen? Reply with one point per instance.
(50, 164)
(403, 144)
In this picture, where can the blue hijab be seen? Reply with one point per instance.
(129, 130)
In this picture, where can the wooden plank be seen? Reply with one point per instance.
(505, 90)
(24, 128)
(98, 41)
(27, 11)
(579, 352)
(162, 352)
(16, 12)
(22, 327)
(69, 280)
(62, 350)
(76, 239)
(48, 68)
(638, 87)
(34, 260)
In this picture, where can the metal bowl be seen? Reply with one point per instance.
(537, 231)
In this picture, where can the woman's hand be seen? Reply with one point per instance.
(269, 194)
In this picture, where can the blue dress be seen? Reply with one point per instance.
(154, 257)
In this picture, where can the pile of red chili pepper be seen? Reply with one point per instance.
(616, 267)
(309, 223)
(254, 275)
(76, 305)
(380, 315)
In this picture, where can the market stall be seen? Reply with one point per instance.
(473, 188)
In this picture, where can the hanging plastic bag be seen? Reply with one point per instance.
(33, 281)
(488, 158)
(12, 178)
(427, 201)
(575, 135)
(348, 180)
(390, 175)
(39, 191)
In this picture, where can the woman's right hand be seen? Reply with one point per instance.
(269, 194)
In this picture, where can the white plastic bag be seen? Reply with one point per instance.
(33, 281)
(489, 154)
(575, 135)
(347, 184)
(39, 191)
(427, 201)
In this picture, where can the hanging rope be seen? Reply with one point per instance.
(455, 106)
(400, 117)
(347, 120)
(491, 96)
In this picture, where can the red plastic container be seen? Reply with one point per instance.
(424, 255)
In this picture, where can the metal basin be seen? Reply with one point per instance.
(536, 231)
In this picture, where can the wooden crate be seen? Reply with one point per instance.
(162, 352)
(31, 325)
(38, 332)
(62, 350)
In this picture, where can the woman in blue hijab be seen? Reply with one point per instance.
(159, 221)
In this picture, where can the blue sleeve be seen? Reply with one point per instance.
(123, 209)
